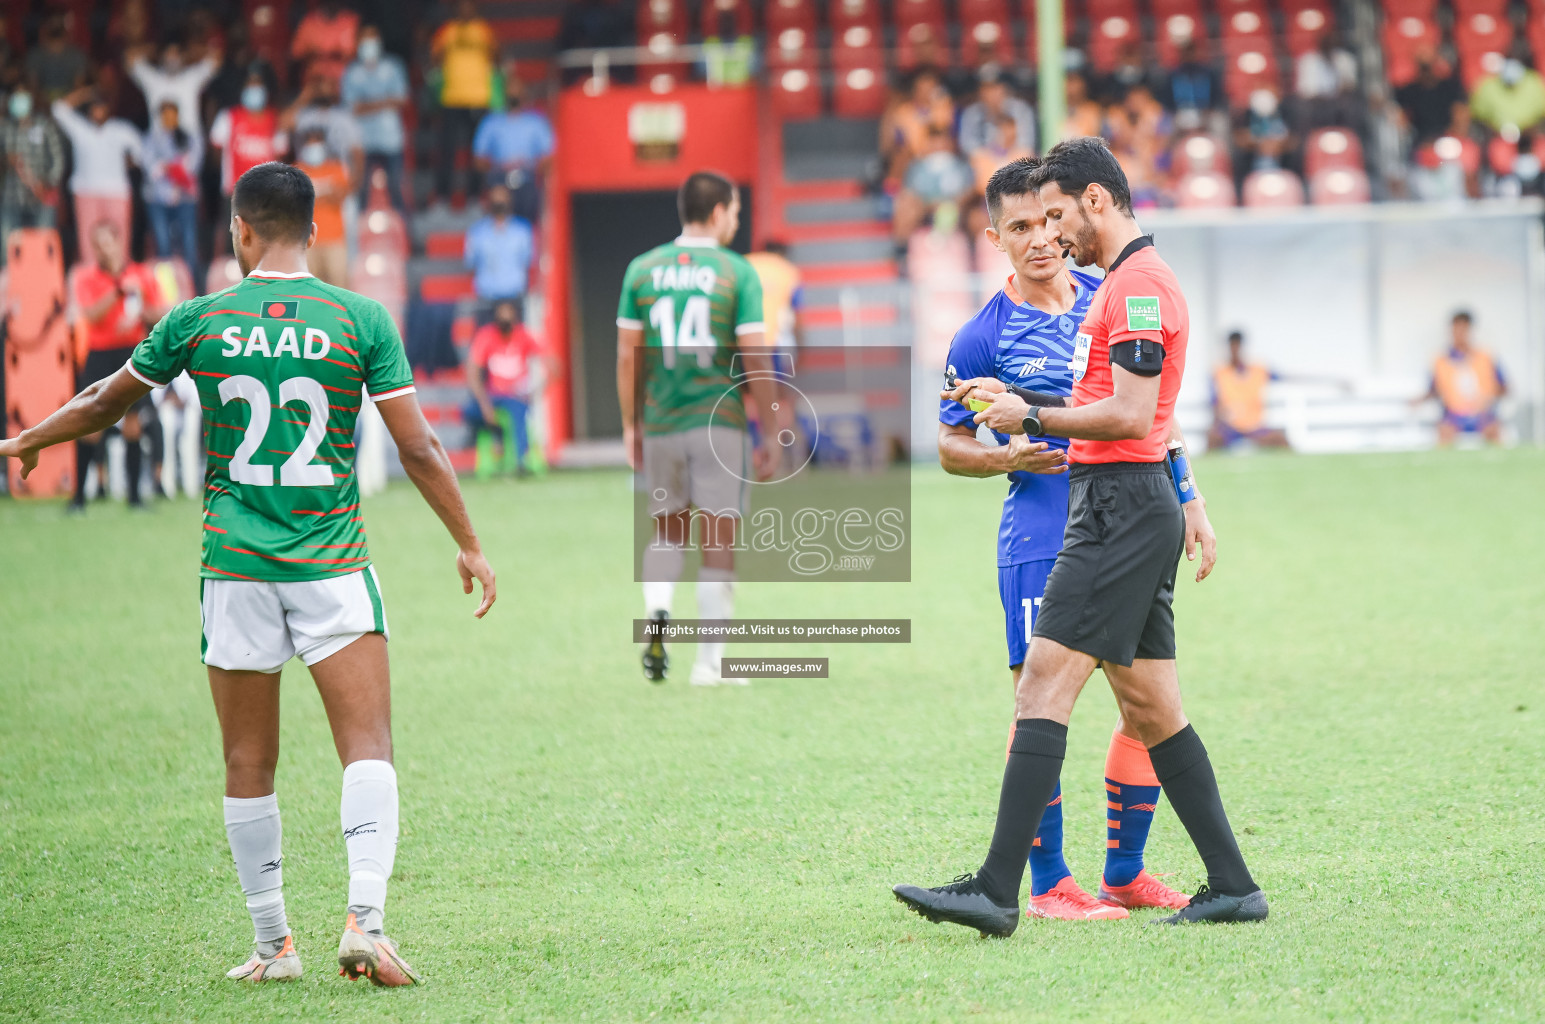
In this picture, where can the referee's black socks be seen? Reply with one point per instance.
(1029, 779)
(1185, 773)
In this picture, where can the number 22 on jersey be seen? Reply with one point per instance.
(298, 470)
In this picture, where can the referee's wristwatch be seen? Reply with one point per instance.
(1032, 425)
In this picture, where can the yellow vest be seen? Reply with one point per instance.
(1241, 396)
(780, 280)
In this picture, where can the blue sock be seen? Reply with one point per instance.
(1047, 867)
(1128, 816)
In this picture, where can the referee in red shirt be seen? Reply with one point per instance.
(1107, 600)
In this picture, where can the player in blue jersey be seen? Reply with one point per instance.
(1024, 336)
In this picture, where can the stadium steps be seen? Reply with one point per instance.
(838, 233)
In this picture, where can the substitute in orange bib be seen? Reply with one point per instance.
(1468, 382)
(1239, 401)
(119, 302)
(1107, 600)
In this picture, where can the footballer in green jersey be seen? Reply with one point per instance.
(689, 335)
(281, 362)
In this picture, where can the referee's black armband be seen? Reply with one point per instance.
(1037, 399)
(1140, 356)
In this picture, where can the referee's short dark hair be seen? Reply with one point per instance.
(1015, 178)
(278, 200)
(1075, 164)
(1463, 316)
(700, 193)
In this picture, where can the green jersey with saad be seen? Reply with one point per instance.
(279, 362)
(693, 299)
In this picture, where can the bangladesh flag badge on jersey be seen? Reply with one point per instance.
(277, 310)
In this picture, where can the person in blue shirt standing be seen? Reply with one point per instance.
(375, 88)
(1025, 336)
(514, 147)
(499, 253)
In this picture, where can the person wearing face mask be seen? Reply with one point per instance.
(319, 106)
(179, 78)
(103, 148)
(172, 157)
(246, 135)
(325, 40)
(503, 367)
(328, 257)
(374, 89)
(33, 151)
(498, 252)
(1515, 95)
(514, 148)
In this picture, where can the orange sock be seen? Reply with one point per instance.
(1131, 797)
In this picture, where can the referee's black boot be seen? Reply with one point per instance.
(1209, 905)
(963, 903)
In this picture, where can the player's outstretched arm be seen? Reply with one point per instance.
(628, 341)
(96, 408)
(961, 454)
(1199, 534)
(427, 465)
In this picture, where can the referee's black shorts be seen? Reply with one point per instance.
(1109, 593)
(102, 363)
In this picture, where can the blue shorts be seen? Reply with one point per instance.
(1476, 424)
(1231, 436)
(1021, 587)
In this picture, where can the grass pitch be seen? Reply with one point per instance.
(580, 845)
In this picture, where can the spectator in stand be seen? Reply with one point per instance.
(980, 123)
(172, 157)
(907, 129)
(1139, 137)
(328, 257)
(1468, 383)
(375, 88)
(55, 66)
(246, 135)
(319, 105)
(325, 41)
(119, 302)
(498, 252)
(1261, 136)
(935, 185)
(514, 147)
(1085, 117)
(1428, 101)
(1129, 71)
(1325, 87)
(782, 294)
(1001, 146)
(1193, 90)
(9, 71)
(464, 48)
(503, 368)
(1515, 96)
(102, 148)
(175, 80)
(34, 152)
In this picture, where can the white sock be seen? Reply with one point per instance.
(368, 811)
(715, 600)
(662, 568)
(252, 826)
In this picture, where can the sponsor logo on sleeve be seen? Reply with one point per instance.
(1143, 313)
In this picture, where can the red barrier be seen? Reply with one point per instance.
(39, 367)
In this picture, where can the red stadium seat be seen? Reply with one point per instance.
(740, 12)
(791, 47)
(1109, 38)
(859, 91)
(1251, 65)
(857, 46)
(268, 28)
(1404, 37)
(1200, 154)
(655, 16)
(1163, 9)
(1307, 24)
(782, 14)
(1482, 40)
(1228, 8)
(922, 43)
(1340, 187)
(1465, 8)
(1204, 191)
(223, 272)
(1331, 149)
(986, 40)
(1174, 31)
(844, 13)
(1273, 188)
(1099, 10)
(381, 230)
(796, 91)
(910, 12)
(1396, 9)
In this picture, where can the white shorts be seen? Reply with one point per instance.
(251, 626)
(705, 466)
